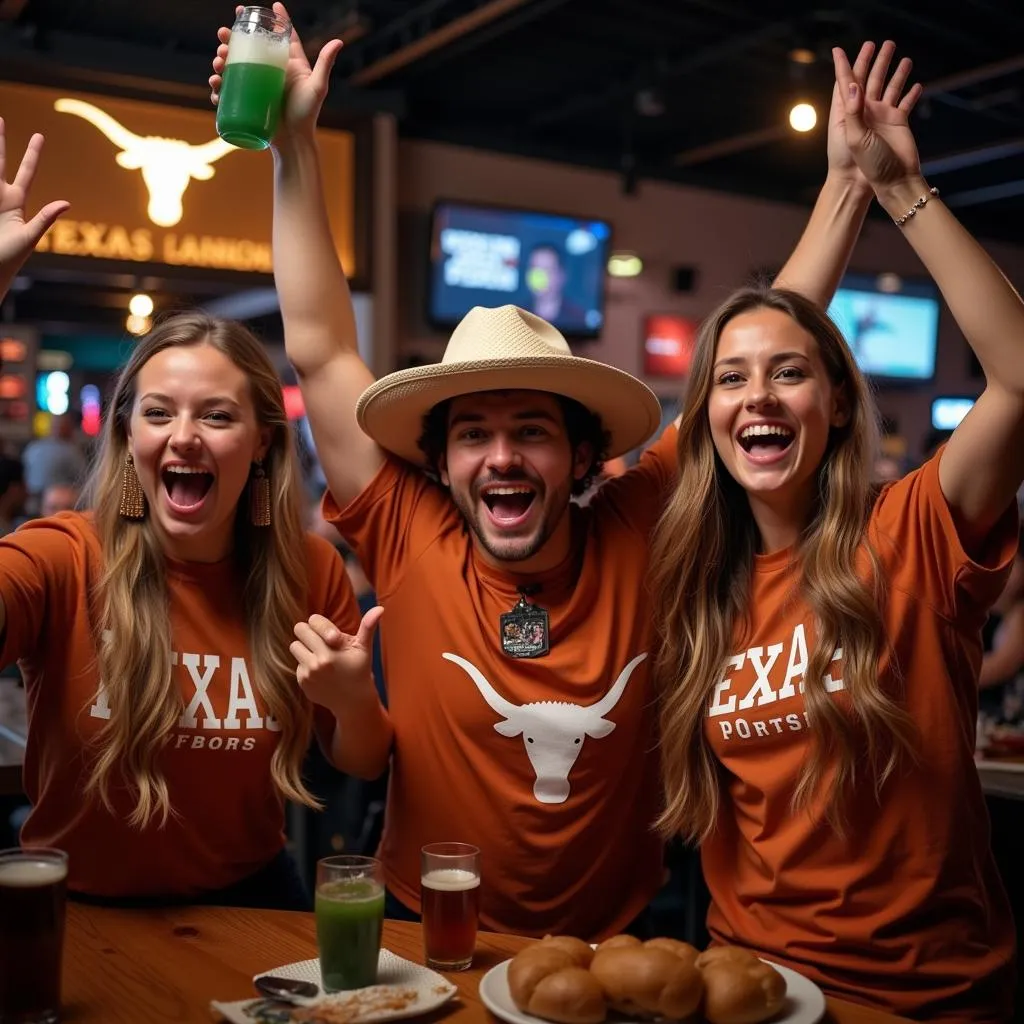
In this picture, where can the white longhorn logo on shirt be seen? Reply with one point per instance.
(553, 731)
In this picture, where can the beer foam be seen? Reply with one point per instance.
(257, 48)
(450, 880)
(25, 874)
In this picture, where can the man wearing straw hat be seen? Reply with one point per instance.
(516, 632)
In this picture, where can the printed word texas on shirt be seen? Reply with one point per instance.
(547, 764)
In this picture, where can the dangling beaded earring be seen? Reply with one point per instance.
(133, 501)
(259, 506)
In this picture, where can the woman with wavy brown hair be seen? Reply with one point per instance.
(821, 639)
(181, 639)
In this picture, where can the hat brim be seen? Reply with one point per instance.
(391, 410)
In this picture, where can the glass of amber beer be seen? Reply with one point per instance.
(252, 88)
(33, 884)
(450, 902)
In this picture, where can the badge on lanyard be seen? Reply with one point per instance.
(524, 629)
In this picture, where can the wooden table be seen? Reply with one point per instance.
(155, 966)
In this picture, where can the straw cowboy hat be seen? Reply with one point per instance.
(504, 349)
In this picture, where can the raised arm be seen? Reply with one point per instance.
(983, 463)
(18, 236)
(820, 257)
(319, 323)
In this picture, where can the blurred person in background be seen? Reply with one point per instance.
(58, 498)
(1003, 636)
(55, 459)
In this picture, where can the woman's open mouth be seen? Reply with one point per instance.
(765, 442)
(186, 487)
(508, 505)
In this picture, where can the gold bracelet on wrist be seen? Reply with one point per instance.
(921, 200)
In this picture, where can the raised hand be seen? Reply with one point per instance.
(875, 124)
(18, 236)
(334, 666)
(305, 87)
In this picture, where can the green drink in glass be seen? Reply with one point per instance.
(253, 82)
(349, 919)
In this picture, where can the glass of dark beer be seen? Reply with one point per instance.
(33, 884)
(450, 903)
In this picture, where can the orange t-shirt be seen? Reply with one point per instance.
(907, 912)
(229, 819)
(547, 764)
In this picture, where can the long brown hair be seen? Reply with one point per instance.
(130, 599)
(702, 559)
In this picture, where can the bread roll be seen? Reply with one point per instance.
(681, 949)
(569, 996)
(648, 982)
(738, 987)
(619, 941)
(580, 951)
(530, 966)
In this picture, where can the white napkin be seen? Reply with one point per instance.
(403, 989)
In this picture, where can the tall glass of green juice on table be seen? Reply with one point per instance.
(349, 919)
(253, 82)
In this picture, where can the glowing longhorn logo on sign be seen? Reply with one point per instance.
(167, 165)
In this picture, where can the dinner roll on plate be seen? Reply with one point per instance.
(644, 982)
(738, 987)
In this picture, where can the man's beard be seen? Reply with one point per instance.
(512, 549)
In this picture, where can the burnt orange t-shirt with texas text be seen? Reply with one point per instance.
(906, 912)
(547, 764)
(228, 819)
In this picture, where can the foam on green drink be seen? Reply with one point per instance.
(349, 918)
(252, 88)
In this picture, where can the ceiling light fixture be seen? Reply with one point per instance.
(802, 117)
(625, 264)
(140, 305)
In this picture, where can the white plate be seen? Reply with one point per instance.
(425, 990)
(805, 1002)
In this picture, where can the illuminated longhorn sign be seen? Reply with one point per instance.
(167, 165)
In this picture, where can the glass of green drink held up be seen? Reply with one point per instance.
(349, 918)
(253, 82)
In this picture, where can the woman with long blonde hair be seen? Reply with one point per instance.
(181, 639)
(821, 640)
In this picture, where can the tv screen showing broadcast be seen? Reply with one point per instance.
(893, 333)
(490, 256)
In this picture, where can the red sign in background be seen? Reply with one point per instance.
(668, 345)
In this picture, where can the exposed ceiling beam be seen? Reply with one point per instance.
(537, 9)
(432, 41)
(988, 194)
(974, 76)
(972, 157)
(648, 73)
(727, 147)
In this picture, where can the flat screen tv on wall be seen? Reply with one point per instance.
(892, 327)
(550, 264)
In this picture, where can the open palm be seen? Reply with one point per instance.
(886, 99)
(18, 236)
(877, 130)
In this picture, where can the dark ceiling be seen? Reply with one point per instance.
(694, 91)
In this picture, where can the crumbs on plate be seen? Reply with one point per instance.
(339, 1008)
